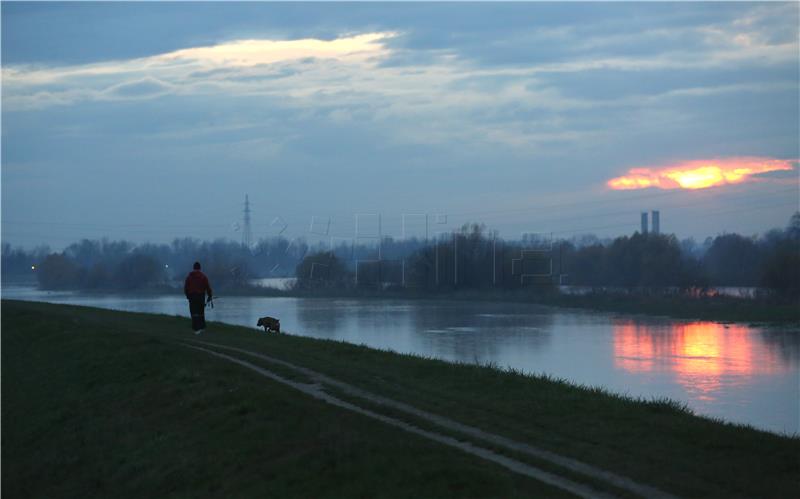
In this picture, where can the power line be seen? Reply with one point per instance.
(636, 212)
(194, 229)
(633, 224)
(151, 227)
(247, 234)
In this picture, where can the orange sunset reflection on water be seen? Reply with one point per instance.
(703, 356)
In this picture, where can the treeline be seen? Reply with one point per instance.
(469, 258)
(122, 265)
(473, 258)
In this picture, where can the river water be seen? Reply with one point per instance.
(738, 373)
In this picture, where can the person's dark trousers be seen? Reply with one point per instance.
(197, 307)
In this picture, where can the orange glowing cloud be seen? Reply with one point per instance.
(699, 174)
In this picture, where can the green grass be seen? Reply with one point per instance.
(657, 442)
(596, 484)
(165, 420)
(95, 408)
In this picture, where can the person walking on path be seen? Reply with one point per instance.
(195, 288)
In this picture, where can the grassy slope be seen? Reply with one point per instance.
(90, 409)
(655, 442)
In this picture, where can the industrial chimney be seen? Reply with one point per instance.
(656, 222)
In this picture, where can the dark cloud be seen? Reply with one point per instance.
(91, 32)
(469, 104)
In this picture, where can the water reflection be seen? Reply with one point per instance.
(746, 374)
(785, 343)
(320, 315)
(704, 357)
(467, 332)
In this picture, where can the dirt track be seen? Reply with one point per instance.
(317, 390)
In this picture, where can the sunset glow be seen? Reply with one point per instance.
(254, 52)
(701, 355)
(699, 174)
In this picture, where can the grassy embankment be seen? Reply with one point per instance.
(106, 403)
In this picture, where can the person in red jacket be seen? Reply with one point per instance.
(195, 288)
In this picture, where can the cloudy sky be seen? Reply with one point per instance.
(149, 121)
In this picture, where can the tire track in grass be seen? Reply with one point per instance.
(573, 465)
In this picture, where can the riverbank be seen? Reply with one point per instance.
(708, 308)
(757, 310)
(109, 398)
(763, 310)
(107, 404)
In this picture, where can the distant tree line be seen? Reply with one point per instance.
(473, 258)
(122, 265)
(469, 258)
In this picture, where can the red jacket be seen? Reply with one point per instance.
(196, 283)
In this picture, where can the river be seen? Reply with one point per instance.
(735, 372)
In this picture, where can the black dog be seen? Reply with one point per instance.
(270, 324)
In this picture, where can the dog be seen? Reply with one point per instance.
(269, 324)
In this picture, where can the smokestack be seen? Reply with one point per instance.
(644, 222)
(656, 222)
